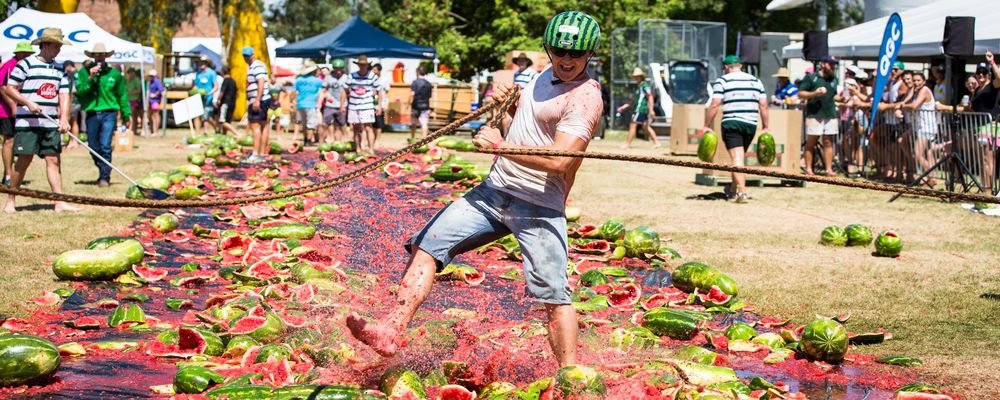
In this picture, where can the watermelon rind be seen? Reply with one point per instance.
(397, 382)
(707, 146)
(858, 235)
(579, 380)
(888, 244)
(695, 275)
(676, 324)
(833, 236)
(195, 379)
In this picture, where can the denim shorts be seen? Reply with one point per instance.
(486, 214)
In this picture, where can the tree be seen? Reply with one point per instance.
(294, 20)
(154, 21)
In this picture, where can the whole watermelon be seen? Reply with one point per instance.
(858, 235)
(824, 340)
(833, 236)
(765, 149)
(888, 244)
(707, 146)
(90, 265)
(695, 275)
(673, 323)
(642, 240)
(26, 359)
(612, 230)
(127, 246)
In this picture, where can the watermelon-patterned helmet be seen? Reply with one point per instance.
(572, 30)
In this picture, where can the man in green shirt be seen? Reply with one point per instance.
(820, 89)
(102, 94)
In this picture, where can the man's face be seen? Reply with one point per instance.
(827, 68)
(70, 68)
(50, 50)
(248, 59)
(896, 73)
(338, 72)
(202, 66)
(21, 56)
(100, 58)
(567, 65)
(363, 69)
(522, 64)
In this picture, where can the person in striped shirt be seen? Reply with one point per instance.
(38, 88)
(525, 74)
(358, 102)
(258, 102)
(743, 101)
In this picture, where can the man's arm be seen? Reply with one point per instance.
(711, 112)
(83, 83)
(765, 116)
(122, 95)
(490, 138)
(64, 112)
(260, 93)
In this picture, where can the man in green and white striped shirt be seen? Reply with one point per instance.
(40, 90)
(743, 101)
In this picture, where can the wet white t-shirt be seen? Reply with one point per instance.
(572, 108)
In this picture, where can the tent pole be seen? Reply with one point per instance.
(434, 94)
(142, 86)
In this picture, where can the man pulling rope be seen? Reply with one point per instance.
(524, 195)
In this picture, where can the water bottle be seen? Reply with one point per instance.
(965, 101)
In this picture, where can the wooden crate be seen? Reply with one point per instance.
(786, 127)
(686, 122)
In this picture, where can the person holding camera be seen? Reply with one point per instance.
(103, 96)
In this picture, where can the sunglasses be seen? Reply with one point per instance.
(571, 53)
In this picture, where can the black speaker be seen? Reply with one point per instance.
(814, 45)
(750, 49)
(959, 36)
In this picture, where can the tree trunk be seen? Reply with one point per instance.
(241, 26)
(58, 6)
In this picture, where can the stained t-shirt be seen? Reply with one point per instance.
(573, 108)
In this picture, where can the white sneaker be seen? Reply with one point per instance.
(742, 197)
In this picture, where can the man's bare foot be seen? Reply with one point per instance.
(383, 340)
(656, 145)
(9, 208)
(64, 207)
(624, 147)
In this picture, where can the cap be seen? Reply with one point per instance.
(898, 64)
(152, 72)
(829, 59)
(982, 67)
(248, 51)
(731, 60)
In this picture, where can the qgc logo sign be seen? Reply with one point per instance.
(892, 39)
(24, 32)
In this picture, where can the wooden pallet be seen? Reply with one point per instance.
(751, 181)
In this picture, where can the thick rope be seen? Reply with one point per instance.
(884, 187)
(501, 108)
(240, 200)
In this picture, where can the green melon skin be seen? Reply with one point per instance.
(132, 250)
(286, 231)
(707, 146)
(766, 149)
(695, 275)
(675, 324)
(888, 244)
(833, 236)
(165, 222)
(578, 380)
(324, 392)
(25, 359)
(399, 382)
(90, 265)
(824, 340)
(858, 235)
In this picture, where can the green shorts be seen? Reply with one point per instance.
(37, 141)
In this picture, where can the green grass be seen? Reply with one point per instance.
(929, 298)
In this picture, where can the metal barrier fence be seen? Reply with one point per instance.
(956, 151)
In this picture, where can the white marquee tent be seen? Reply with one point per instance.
(77, 28)
(923, 29)
(81, 31)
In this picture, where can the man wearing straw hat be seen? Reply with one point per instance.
(358, 101)
(525, 74)
(307, 87)
(103, 96)
(785, 92)
(7, 108)
(643, 113)
(38, 87)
